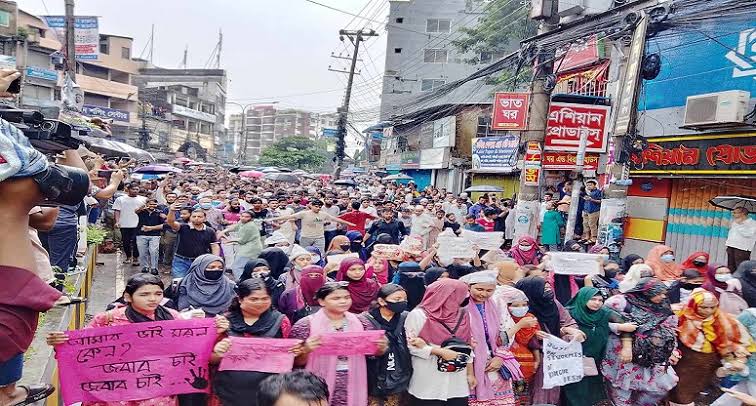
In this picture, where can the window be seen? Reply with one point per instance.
(125, 53)
(431, 84)
(104, 46)
(399, 20)
(437, 25)
(484, 127)
(397, 50)
(436, 56)
(488, 57)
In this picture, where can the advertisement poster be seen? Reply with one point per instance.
(86, 33)
(495, 154)
(568, 121)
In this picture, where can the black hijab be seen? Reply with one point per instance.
(746, 273)
(266, 321)
(411, 279)
(627, 262)
(432, 274)
(161, 313)
(277, 261)
(250, 266)
(544, 308)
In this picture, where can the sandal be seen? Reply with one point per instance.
(35, 393)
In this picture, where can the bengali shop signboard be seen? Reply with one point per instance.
(510, 111)
(558, 160)
(578, 55)
(568, 121)
(721, 154)
(495, 154)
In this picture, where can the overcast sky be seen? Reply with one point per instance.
(272, 50)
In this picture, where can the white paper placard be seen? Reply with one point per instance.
(484, 240)
(575, 263)
(336, 259)
(562, 362)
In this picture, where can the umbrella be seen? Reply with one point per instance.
(251, 174)
(114, 148)
(484, 189)
(732, 202)
(399, 176)
(158, 169)
(345, 182)
(269, 169)
(282, 177)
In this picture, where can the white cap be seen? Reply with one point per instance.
(485, 277)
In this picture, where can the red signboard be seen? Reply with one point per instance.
(578, 55)
(567, 121)
(557, 160)
(532, 175)
(510, 111)
(533, 153)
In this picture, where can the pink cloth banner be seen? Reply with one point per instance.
(136, 361)
(349, 343)
(259, 354)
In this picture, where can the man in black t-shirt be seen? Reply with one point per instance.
(148, 235)
(194, 239)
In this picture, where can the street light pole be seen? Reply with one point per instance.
(242, 156)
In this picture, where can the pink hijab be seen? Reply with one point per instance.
(382, 277)
(484, 389)
(325, 365)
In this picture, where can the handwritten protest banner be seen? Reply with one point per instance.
(349, 343)
(450, 246)
(336, 259)
(562, 362)
(259, 354)
(136, 361)
(484, 240)
(390, 252)
(575, 263)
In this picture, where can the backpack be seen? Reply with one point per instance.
(455, 344)
(393, 370)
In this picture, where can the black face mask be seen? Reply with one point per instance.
(699, 263)
(345, 247)
(689, 286)
(213, 275)
(548, 295)
(397, 307)
(465, 302)
(610, 273)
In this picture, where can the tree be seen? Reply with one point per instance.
(504, 24)
(295, 153)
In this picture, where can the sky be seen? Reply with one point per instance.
(275, 50)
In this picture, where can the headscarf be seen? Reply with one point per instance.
(442, 304)
(250, 266)
(507, 272)
(263, 324)
(634, 276)
(596, 248)
(665, 271)
(542, 307)
(313, 278)
(584, 316)
(719, 332)
(525, 257)
(277, 261)
(483, 317)
(746, 274)
(355, 240)
(382, 277)
(643, 311)
(627, 262)
(432, 274)
(712, 284)
(363, 290)
(567, 247)
(315, 252)
(457, 271)
(213, 296)
(161, 313)
(410, 277)
(336, 244)
(703, 269)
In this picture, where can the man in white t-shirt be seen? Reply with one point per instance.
(313, 220)
(369, 209)
(741, 238)
(127, 220)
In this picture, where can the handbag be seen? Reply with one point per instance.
(589, 367)
(455, 344)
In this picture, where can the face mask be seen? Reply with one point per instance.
(668, 258)
(723, 277)
(213, 275)
(610, 273)
(397, 307)
(465, 302)
(690, 286)
(206, 206)
(345, 247)
(699, 263)
(526, 248)
(548, 295)
(519, 311)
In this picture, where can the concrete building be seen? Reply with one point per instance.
(417, 64)
(185, 110)
(326, 121)
(266, 124)
(40, 89)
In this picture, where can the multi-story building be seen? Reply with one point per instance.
(417, 64)
(40, 89)
(326, 121)
(266, 124)
(184, 109)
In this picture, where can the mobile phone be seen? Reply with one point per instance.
(15, 86)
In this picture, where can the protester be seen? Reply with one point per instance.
(277, 260)
(259, 268)
(362, 287)
(313, 220)
(591, 211)
(297, 302)
(410, 277)
(679, 291)
(127, 220)
(550, 226)
(746, 275)
(148, 231)
(698, 260)
(296, 388)
(204, 287)
(194, 239)
(661, 259)
(526, 251)
(522, 334)
(248, 240)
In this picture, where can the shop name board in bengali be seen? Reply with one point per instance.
(495, 153)
(510, 111)
(737, 153)
(567, 122)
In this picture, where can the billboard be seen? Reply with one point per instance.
(495, 154)
(510, 111)
(86, 34)
(568, 121)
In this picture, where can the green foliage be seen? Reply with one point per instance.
(95, 235)
(295, 153)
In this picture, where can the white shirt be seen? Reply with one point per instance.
(742, 235)
(334, 211)
(127, 206)
(421, 224)
(369, 210)
(427, 381)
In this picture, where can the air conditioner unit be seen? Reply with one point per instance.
(722, 109)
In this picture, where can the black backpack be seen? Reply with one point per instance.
(391, 372)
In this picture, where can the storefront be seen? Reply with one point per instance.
(410, 165)
(494, 163)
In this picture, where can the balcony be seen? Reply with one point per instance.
(107, 88)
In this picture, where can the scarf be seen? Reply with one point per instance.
(363, 290)
(337, 242)
(519, 347)
(161, 313)
(276, 259)
(411, 278)
(746, 273)
(627, 261)
(441, 304)
(313, 278)
(688, 263)
(712, 284)
(325, 365)
(643, 311)
(665, 271)
(250, 266)
(264, 323)
(545, 309)
(525, 257)
(485, 345)
(596, 248)
(315, 251)
(595, 324)
(382, 277)
(719, 332)
(432, 274)
(213, 296)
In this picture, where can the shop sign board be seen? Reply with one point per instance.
(510, 111)
(41, 73)
(532, 175)
(106, 112)
(715, 155)
(495, 154)
(558, 160)
(86, 34)
(578, 55)
(410, 160)
(444, 132)
(434, 158)
(568, 121)
(533, 153)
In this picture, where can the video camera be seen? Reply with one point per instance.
(47, 136)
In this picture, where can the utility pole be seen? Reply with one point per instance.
(220, 47)
(186, 52)
(70, 40)
(355, 37)
(152, 42)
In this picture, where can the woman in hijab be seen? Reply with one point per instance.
(362, 289)
(355, 243)
(379, 269)
(746, 274)
(277, 261)
(553, 319)
(339, 245)
(526, 251)
(524, 342)
(629, 261)
(508, 273)
(410, 277)
(433, 274)
(250, 315)
(708, 336)
(204, 287)
(719, 279)
(698, 260)
(441, 376)
(636, 364)
(299, 258)
(316, 256)
(259, 268)
(661, 259)
(295, 299)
